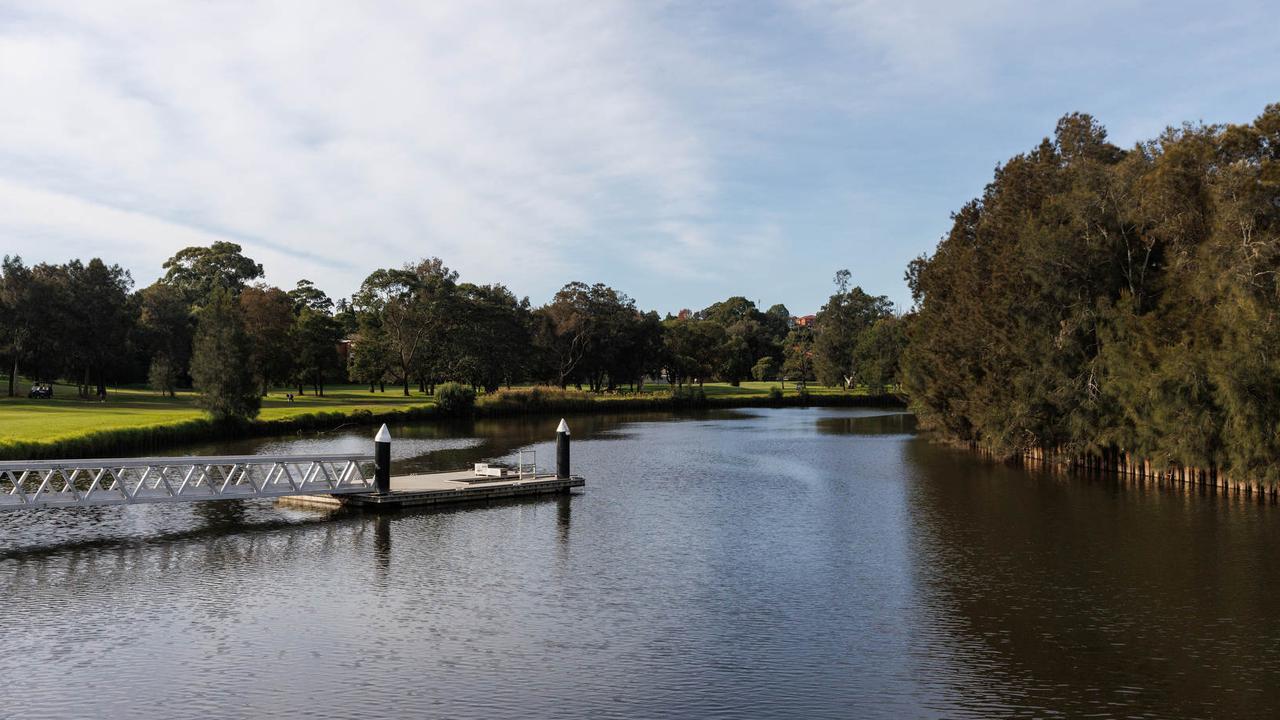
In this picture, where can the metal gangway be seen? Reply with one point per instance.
(36, 484)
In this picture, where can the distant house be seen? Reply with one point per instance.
(344, 350)
(685, 314)
(804, 320)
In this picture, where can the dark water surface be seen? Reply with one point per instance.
(789, 563)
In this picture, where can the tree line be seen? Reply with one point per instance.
(1098, 298)
(209, 323)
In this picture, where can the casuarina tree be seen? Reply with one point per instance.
(220, 364)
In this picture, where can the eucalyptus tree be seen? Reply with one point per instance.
(694, 349)
(642, 353)
(775, 324)
(877, 356)
(797, 355)
(100, 319)
(269, 319)
(316, 334)
(164, 329)
(19, 315)
(198, 271)
(392, 296)
(369, 360)
(491, 344)
(305, 294)
(847, 314)
(584, 332)
(412, 305)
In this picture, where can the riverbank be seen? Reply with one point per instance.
(1143, 471)
(1132, 469)
(133, 422)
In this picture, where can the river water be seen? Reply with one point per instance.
(772, 563)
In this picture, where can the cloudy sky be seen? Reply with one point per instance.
(681, 152)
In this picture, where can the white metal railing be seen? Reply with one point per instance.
(530, 468)
(74, 483)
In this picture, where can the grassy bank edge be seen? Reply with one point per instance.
(123, 442)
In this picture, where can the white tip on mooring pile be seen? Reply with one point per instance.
(384, 435)
(564, 427)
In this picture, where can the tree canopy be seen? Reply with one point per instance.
(198, 271)
(1098, 299)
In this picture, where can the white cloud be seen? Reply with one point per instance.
(332, 138)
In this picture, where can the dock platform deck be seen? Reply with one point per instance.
(442, 488)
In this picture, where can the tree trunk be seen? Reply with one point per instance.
(13, 376)
(406, 384)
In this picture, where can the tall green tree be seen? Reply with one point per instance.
(1095, 299)
(877, 356)
(413, 306)
(370, 357)
(165, 330)
(797, 355)
(21, 315)
(694, 349)
(775, 325)
(306, 295)
(198, 271)
(269, 320)
(839, 324)
(737, 356)
(491, 343)
(220, 364)
(586, 332)
(101, 319)
(316, 336)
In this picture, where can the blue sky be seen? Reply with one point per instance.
(681, 152)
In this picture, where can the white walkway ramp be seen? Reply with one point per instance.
(74, 483)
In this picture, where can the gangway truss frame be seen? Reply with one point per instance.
(35, 484)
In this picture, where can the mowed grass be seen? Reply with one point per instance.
(66, 416)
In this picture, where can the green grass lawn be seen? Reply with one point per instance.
(67, 416)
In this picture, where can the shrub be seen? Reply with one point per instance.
(775, 394)
(455, 398)
(691, 397)
(765, 369)
(535, 399)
